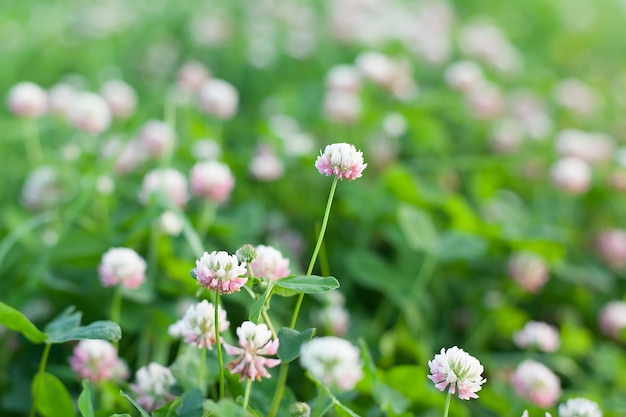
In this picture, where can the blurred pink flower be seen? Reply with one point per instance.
(90, 113)
(27, 99)
(97, 361)
(269, 263)
(571, 175)
(219, 98)
(611, 245)
(460, 370)
(333, 361)
(122, 266)
(343, 78)
(121, 98)
(579, 407)
(342, 106)
(157, 137)
(464, 76)
(167, 180)
(576, 96)
(191, 75)
(613, 318)
(341, 160)
(212, 180)
(152, 386)
(266, 165)
(60, 99)
(255, 341)
(539, 335)
(529, 270)
(221, 272)
(197, 327)
(536, 383)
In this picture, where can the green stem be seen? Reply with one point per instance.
(218, 343)
(320, 238)
(206, 218)
(280, 389)
(201, 373)
(116, 307)
(42, 368)
(447, 406)
(31, 142)
(246, 396)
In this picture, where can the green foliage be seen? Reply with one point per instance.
(308, 284)
(85, 405)
(50, 397)
(67, 327)
(15, 320)
(291, 341)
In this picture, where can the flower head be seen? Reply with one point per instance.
(538, 334)
(219, 98)
(528, 270)
(221, 272)
(27, 99)
(157, 137)
(611, 245)
(613, 318)
(579, 407)
(333, 361)
(152, 386)
(458, 368)
(122, 266)
(121, 98)
(269, 263)
(341, 160)
(197, 327)
(90, 113)
(212, 180)
(536, 383)
(169, 181)
(97, 361)
(255, 342)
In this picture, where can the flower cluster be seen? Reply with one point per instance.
(269, 263)
(97, 361)
(333, 361)
(579, 407)
(539, 335)
(255, 342)
(221, 272)
(459, 369)
(341, 160)
(536, 383)
(197, 327)
(122, 266)
(153, 385)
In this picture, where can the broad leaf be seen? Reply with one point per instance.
(15, 320)
(142, 412)
(257, 306)
(168, 409)
(291, 341)
(85, 406)
(191, 404)
(51, 398)
(308, 284)
(225, 407)
(67, 327)
(454, 246)
(418, 228)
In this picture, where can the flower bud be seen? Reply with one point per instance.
(300, 409)
(246, 253)
(27, 99)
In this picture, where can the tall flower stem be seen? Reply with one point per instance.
(284, 368)
(116, 307)
(447, 406)
(31, 142)
(318, 245)
(201, 373)
(246, 396)
(206, 218)
(42, 368)
(218, 343)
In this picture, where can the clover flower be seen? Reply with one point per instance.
(221, 272)
(333, 361)
(41, 189)
(90, 113)
(269, 263)
(121, 98)
(197, 327)
(611, 244)
(152, 386)
(157, 137)
(27, 99)
(60, 99)
(613, 318)
(536, 383)
(97, 361)
(537, 334)
(525, 414)
(219, 98)
(579, 407)
(341, 160)
(122, 266)
(212, 180)
(459, 369)
(169, 181)
(571, 175)
(529, 270)
(255, 341)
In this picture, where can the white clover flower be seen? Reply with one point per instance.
(536, 383)
(121, 98)
(153, 385)
(255, 342)
(41, 189)
(460, 370)
(168, 180)
(269, 263)
(197, 327)
(27, 99)
(333, 361)
(341, 160)
(219, 98)
(221, 272)
(157, 137)
(538, 334)
(212, 180)
(571, 174)
(97, 361)
(613, 318)
(170, 223)
(90, 113)
(122, 266)
(579, 407)
(529, 270)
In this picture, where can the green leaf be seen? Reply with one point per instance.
(340, 408)
(67, 327)
(51, 397)
(223, 408)
(84, 400)
(139, 408)
(257, 306)
(15, 320)
(120, 415)
(168, 409)
(387, 397)
(191, 404)
(454, 246)
(290, 342)
(418, 228)
(309, 284)
(187, 364)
